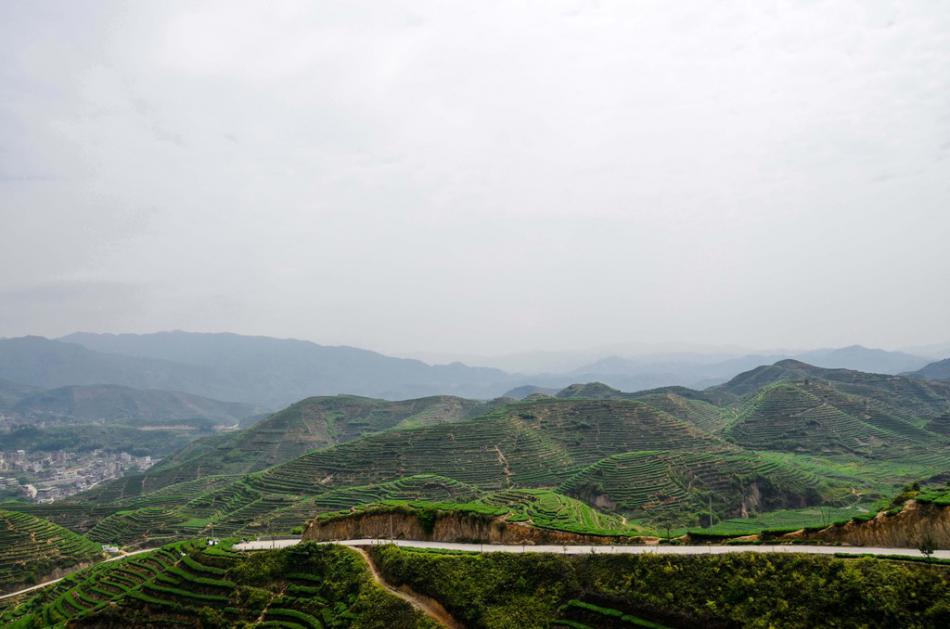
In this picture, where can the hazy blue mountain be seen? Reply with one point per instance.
(47, 364)
(13, 392)
(939, 370)
(520, 393)
(276, 372)
(863, 359)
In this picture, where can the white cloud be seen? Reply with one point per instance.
(489, 177)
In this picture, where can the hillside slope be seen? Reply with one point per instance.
(813, 418)
(310, 424)
(32, 548)
(189, 584)
(531, 444)
(114, 404)
(939, 370)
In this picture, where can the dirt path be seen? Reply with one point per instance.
(427, 606)
(52, 581)
(504, 464)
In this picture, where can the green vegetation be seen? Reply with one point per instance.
(538, 507)
(307, 586)
(744, 589)
(32, 548)
(763, 451)
(313, 423)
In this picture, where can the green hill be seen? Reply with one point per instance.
(313, 423)
(812, 417)
(682, 485)
(528, 444)
(939, 370)
(917, 399)
(117, 404)
(32, 548)
(783, 437)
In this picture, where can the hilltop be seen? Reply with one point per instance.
(311, 424)
(939, 370)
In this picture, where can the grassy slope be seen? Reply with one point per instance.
(31, 548)
(539, 507)
(186, 583)
(529, 444)
(310, 424)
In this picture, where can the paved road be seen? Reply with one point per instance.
(615, 550)
(51, 582)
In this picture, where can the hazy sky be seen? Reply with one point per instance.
(478, 177)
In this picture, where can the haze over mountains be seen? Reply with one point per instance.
(271, 373)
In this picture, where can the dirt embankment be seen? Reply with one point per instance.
(449, 527)
(907, 529)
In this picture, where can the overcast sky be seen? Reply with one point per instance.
(478, 177)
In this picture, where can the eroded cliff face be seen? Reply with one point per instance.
(449, 527)
(906, 529)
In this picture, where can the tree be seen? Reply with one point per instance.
(927, 546)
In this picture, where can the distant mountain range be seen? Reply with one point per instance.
(253, 370)
(273, 373)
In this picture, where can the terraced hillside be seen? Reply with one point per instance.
(188, 584)
(815, 418)
(531, 444)
(32, 548)
(310, 424)
(683, 485)
(540, 508)
(913, 399)
(429, 487)
(796, 440)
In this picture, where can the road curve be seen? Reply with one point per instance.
(615, 550)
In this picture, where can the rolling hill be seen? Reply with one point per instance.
(125, 405)
(310, 424)
(783, 436)
(529, 444)
(939, 370)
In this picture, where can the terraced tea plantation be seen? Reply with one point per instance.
(537, 507)
(31, 548)
(188, 583)
(313, 423)
(657, 483)
(779, 438)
